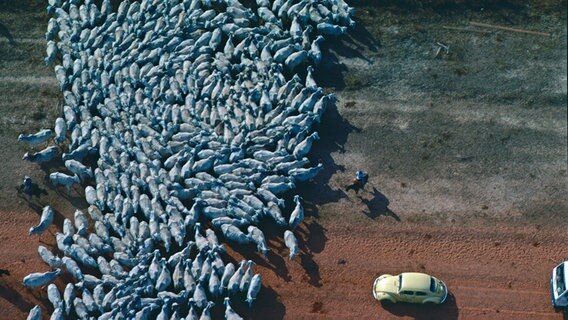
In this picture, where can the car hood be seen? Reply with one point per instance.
(387, 284)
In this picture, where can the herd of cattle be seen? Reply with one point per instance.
(197, 123)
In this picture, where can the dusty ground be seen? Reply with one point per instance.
(467, 150)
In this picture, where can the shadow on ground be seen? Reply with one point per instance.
(58, 217)
(267, 306)
(15, 298)
(35, 191)
(5, 32)
(334, 132)
(378, 205)
(312, 240)
(330, 74)
(448, 310)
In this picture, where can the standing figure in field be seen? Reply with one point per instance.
(359, 182)
(27, 187)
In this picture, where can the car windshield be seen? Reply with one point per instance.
(433, 285)
(560, 287)
(399, 282)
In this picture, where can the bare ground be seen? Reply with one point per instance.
(466, 154)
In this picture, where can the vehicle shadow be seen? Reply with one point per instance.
(447, 311)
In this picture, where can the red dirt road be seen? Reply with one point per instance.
(493, 271)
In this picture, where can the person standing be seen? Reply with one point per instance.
(27, 187)
(361, 178)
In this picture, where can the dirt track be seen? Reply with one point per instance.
(468, 150)
(493, 271)
(491, 275)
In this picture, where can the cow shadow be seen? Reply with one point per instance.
(330, 73)
(377, 205)
(311, 239)
(315, 238)
(362, 38)
(56, 164)
(273, 260)
(15, 298)
(354, 44)
(334, 132)
(77, 200)
(266, 306)
(75, 195)
(310, 234)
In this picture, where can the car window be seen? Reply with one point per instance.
(560, 280)
(420, 293)
(433, 286)
(407, 292)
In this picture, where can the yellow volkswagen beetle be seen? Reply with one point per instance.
(411, 287)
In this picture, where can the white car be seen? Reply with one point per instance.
(559, 286)
(413, 287)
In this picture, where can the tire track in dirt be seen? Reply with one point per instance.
(548, 315)
(501, 290)
(528, 303)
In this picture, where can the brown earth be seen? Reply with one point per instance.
(466, 153)
(494, 271)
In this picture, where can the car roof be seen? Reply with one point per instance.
(415, 281)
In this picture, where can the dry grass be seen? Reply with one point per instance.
(412, 5)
